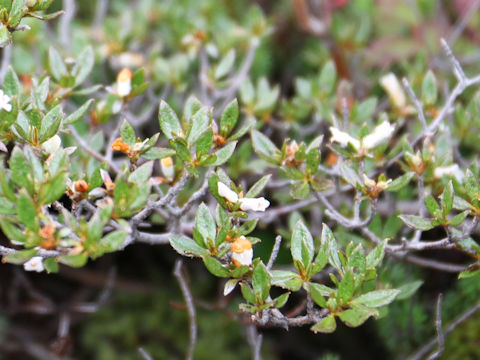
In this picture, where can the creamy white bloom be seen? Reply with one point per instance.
(243, 258)
(5, 102)
(381, 133)
(168, 169)
(452, 170)
(394, 90)
(227, 193)
(255, 204)
(34, 264)
(124, 82)
(342, 138)
(52, 144)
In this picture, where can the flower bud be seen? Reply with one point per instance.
(254, 204)
(225, 192)
(167, 167)
(394, 90)
(124, 82)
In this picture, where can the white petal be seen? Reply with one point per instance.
(343, 138)
(244, 258)
(52, 144)
(452, 170)
(34, 264)
(226, 192)
(124, 87)
(381, 133)
(229, 286)
(255, 204)
(394, 90)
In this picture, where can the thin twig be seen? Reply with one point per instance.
(190, 307)
(6, 60)
(144, 353)
(438, 328)
(275, 250)
(429, 346)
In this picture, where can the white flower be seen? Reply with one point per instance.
(242, 252)
(5, 102)
(381, 133)
(225, 192)
(394, 90)
(452, 170)
(52, 144)
(255, 204)
(168, 169)
(124, 82)
(34, 264)
(343, 138)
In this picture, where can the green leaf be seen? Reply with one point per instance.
(256, 188)
(113, 241)
(20, 256)
(328, 77)
(27, 213)
(192, 105)
(51, 123)
(75, 261)
(408, 289)
(78, 114)
(328, 240)
(326, 326)
(264, 147)
(84, 65)
(52, 189)
(168, 120)
(156, 153)
(432, 205)
(229, 118)
(225, 64)
(350, 175)
(429, 89)
(355, 317)
(447, 198)
(417, 222)
(205, 223)
(458, 219)
(204, 143)
(56, 64)
(200, 122)
(186, 246)
(400, 182)
(21, 174)
(377, 298)
(286, 279)
(300, 190)
(215, 267)
(16, 12)
(224, 153)
(11, 83)
(5, 36)
(318, 291)
(375, 257)
(51, 265)
(247, 293)
(261, 282)
(346, 288)
(302, 248)
(11, 231)
(127, 133)
(142, 174)
(181, 149)
(281, 300)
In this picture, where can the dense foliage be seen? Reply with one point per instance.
(317, 159)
